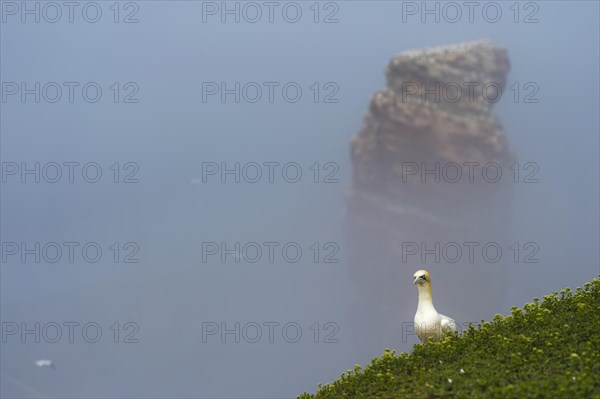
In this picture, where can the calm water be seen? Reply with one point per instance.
(142, 104)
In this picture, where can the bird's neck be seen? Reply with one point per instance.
(425, 299)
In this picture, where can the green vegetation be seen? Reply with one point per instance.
(545, 350)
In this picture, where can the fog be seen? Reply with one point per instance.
(168, 282)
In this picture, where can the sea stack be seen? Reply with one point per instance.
(425, 167)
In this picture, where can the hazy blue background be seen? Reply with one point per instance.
(170, 132)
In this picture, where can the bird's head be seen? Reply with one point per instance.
(421, 277)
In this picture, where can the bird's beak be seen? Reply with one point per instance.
(415, 282)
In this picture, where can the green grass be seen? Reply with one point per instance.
(545, 350)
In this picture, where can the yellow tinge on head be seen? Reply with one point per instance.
(421, 276)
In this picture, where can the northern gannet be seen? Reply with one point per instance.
(429, 324)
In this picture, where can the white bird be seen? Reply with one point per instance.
(429, 324)
(44, 363)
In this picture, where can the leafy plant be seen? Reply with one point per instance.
(548, 349)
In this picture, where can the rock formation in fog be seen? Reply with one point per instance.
(425, 165)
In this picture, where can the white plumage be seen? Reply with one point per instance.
(429, 324)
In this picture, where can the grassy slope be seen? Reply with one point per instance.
(545, 350)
